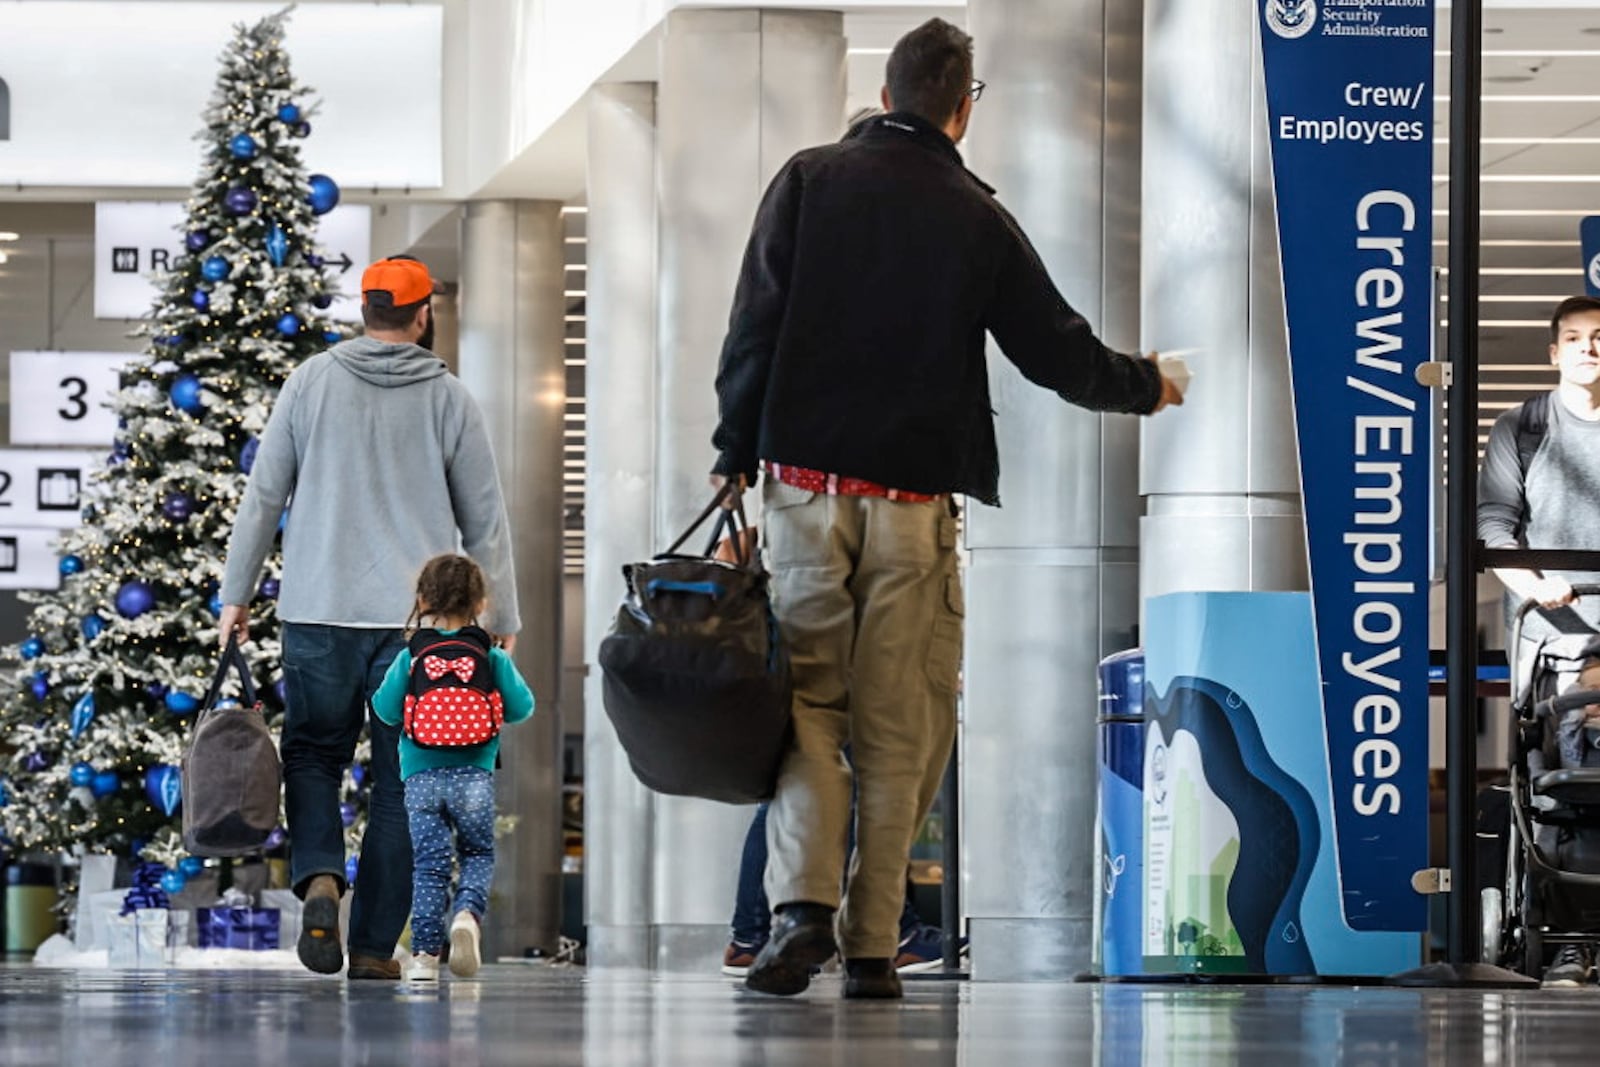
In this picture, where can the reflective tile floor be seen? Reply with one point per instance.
(542, 1015)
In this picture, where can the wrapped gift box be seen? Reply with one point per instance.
(256, 929)
(146, 939)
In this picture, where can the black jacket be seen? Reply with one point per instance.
(856, 342)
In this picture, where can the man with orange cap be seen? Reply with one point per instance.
(388, 461)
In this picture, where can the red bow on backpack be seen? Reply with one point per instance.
(437, 667)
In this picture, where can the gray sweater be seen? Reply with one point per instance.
(389, 464)
(1555, 505)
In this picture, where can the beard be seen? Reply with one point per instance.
(426, 340)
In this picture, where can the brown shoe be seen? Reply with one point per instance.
(319, 946)
(372, 967)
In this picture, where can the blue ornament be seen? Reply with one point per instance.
(5, 795)
(180, 703)
(70, 565)
(228, 702)
(358, 773)
(214, 605)
(333, 337)
(163, 784)
(314, 261)
(243, 146)
(347, 812)
(191, 865)
(37, 761)
(156, 690)
(82, 715)
(247, 454)
(173, 882)
(239, 200)
(215, 268)
(277, 245)
(32, 648)
(177, 506)
(185, 393)
(119, 453)
(39, 685)
(350, 866)
(134, 598)
(269, 588)
(283, 521)
(105, 783)
(280, 692)
(324, 196)
(196, 240)
(289, 113)
(200, 299)
(275, 839)
(289, 324)
(322, 300)
(81, 774)
(93, 626)
(301, 129)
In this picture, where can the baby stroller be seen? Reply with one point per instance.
(1552, 887)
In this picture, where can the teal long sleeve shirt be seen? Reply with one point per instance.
(389, 704)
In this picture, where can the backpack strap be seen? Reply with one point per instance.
(1533, 423)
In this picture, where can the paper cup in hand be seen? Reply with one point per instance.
(1176, 371)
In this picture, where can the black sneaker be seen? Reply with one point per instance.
(1573, 966)
(871, 979)
(802, 938)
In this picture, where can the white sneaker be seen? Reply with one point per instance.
(464, 957)
(422, 967)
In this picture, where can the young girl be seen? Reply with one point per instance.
(449, 691)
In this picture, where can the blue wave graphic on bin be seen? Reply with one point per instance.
(1279, 836)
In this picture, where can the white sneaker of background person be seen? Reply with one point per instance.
(421, 967)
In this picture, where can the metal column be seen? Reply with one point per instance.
(741, 90)
(1053, 580)
(1221, 473)
(512, 360)
(619, 501)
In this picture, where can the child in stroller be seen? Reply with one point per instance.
(1551, 899)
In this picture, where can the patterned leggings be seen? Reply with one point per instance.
(437, 801)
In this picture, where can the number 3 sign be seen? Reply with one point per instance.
(59, 398)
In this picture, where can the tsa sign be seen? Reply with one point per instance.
(60, 398)
(134, 239)
(28, 559)
(1589, 237)
(44, 488)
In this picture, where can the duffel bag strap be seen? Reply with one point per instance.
(232, 658)
(729, 489)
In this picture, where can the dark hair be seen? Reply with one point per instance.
(379, 314)
(930, 70)
(451, 586)
(1572, 305)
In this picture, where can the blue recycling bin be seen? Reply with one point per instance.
(1121, 806)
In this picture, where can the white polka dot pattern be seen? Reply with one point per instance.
(450, 717)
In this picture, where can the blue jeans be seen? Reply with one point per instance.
(329, 672)
(438, 800)
(752, 918)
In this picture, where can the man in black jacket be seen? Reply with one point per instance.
(854, 371)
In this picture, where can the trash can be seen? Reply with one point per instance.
(30, 901)
(1121, 812)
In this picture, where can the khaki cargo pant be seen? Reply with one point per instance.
(868, 595)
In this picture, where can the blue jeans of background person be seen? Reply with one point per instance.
(329, 672)
(752, 918)
(437, 802)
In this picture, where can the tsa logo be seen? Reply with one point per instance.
(1291, 18)
(1594, 272)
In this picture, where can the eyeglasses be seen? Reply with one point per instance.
(976, 92)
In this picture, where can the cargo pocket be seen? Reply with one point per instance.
(796, 536)
(944, 650)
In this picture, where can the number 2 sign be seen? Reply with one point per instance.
(59, 398)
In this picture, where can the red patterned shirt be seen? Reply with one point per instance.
(839, 485)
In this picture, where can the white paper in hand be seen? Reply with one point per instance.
(1176, 371)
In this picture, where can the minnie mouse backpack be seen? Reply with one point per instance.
(451, 701)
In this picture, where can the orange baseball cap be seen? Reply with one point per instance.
(396, 282)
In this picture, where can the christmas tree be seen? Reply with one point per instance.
(98, 706)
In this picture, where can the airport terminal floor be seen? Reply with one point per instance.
(537, 1013)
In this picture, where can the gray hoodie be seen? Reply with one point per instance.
(389, 464)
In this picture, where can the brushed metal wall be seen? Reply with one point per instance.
(620, 497)
(1052, 584)
(512, 360)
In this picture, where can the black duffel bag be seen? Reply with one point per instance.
(696, 677)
